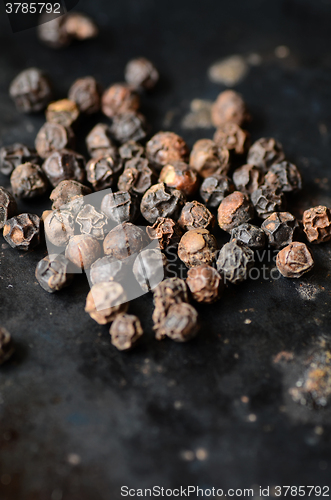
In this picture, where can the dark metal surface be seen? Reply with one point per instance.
(139, 418)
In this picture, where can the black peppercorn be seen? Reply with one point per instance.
(6, 345)
(31, 91)
(265, 152)
(233, 138)
(102, 172)
(205, 283)
(22, 231)
(214, 189)
(284, 176)
(59, 227)
(8, 206)
(14, 155)
(53, 137)
(129, 126)
(179, 175)
(82, 250)
(252, 236)
(107, 269)
(294, 260)
(99, 142)
(229, 107)
(180, 324)
(160, 201)
(106, 301)
(86, 93)
(125, 331)
(118, 99)
(64, 165)
(167, 293)
(52, 273)
(197, 247)
(52, 32)
(166, 231)
(317, 224)
(124, 240)
(92, 222)
(149, 268)
(141, 73)
(166, 147)
(69, 194)
(248, 178)
(195, 215)
(28, 181)
(234, 261)
(266, 200)
(131, 149)
(120, 206)
(281, 229)
(137, 177)
(234, 210)
(64, 112)
(207, 158)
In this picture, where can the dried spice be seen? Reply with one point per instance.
(267, 200)
(149, 268)
(195, 215)
(317, 224)
(119, 99)
(166, 147)
(248, 178)
(28, 181)
(64, 165)
(197, 247)
(102, 172)
(252, 236)
(294, 260)
(129, 126)
(107, 269)
(179, 175)
(166, 231)
(8, 206)
(14, 155)
(82, 250)
(52, 273)
(67, 193)
(234, 210)
(86, 93)
(125, 331)
(141, 73)
(99, 142)
(167, 293)
(180, 324)
(207, 158)
(53, 137)
(265, 152)
(61, 31)
(92, 222)
(31, 91)
(232, 138)
(234, 261)
(79, 26)
(137, 177)
(160, 201)
(205, 283)
(214, 189)
(281, 229)
(131, 149)
(64, 112)
(106, 301)
(124, 240)
(120, 206)
(229, 107)
(7, 348)
(59, 227)
(285, 176)
(22, 231)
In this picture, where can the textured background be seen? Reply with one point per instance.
(172, 414)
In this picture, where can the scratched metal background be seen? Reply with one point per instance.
(139, 418)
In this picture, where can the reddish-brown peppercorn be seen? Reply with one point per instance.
(166, 230)
(294, 260)
(317, 224)
(160, 201)
(105, 301)
(99, 142)
(281, 229)
(82, 250)
(207, 158)
(28, 181)
(138, 176)
(118, 99)
(229, 107)
(180, 324)
(180, 176)
(64, 165)
(197, 247)
(167, 293)
(265, 152)
(31, 91)
(267, 200)
(196, 215)
(205, 283)
(124, 240)
(166, 147)
(66, 192)
(64, 112)
(125, 331)
(22, 231)
(79, 26)
(141, 73)
(8, 206)
(86, 93)
(53, 137)
(233, 138)
(234, 210)
(248, 178)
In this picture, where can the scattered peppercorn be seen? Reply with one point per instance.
(99, 142)
(281, 229)
(125, 331)
(149, 268)
(82, 250)
(59, 227)
(137, 177)
(252, 236)
(131, 149)
(86, 93)
(166, 147)
(6, 345)
(167, 293)
(14, 155)
(102, 172)
(294, 260)
(31, 91)
(53, 137)
(79, 26)
(207, 158)
(317, 224)
(141, 73)
(22, 231)
(64, 165)
(28, 181)
(248, 178)
(180, 324)
(265, 152)
(92, 222)
(67, 193)
(106, 301)
(234, 261)
(60, 31)
(124, 240)
(234, 210)
(214, 189)
(120, 206)
(166, 231)
(285, 176)
(52, 273)
(195, 215)
(8, 206)
(232, 138)
(129, 126)
(180, 176)
(161, 201)
(64, 112)
(229, 107)
(118, 99)
(205, 283)
(267, 200)
(196, 247)
(107, 269)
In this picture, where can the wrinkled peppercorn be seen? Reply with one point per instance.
(79, 26)
(234, 210)
(149, 268)
(284, 176)
(86, 93)
(52, 273)
(129, 126)
(64, 112)
(281, 229)
(214, 189)
(232, 138)
(248, 178)
(180, 176)
(22, 231)
(53, 137)
(102, 172)
(124, 240)
(99, 142)
(252, 236)
(166, 230)
(8, 206)
(265, 152)
(207, 158)
(197, 247)
(180, 324)
(107, 269)
(141, 73)
(317, 224)
(105, 301)
(160, 201)
(267, 200)
(6, 345)
(167, 293)
(235, 261)
(64, 165)
(59, 227)
(82, 250)
(137, 177)
(125, 331)
(120, 207)
(294, 260)
(28, 181)
(69, 193)
(119, 99)
(205, 283)
(195, 215)
(31, 91)
(166, 147)
(229, 107)
(92, 222)
(131, 149)
(14, 155)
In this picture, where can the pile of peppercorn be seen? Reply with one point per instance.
(179, 193)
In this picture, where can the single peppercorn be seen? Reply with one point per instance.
(51, 32)
(14, 155)
(86, 93)
(137, 177)
(197, 247)
(234, 261)
(92, 222)
(166, 147)
(102, 172)
(52, 273)
(120, 206)
(265, 152)
(248, 178)
(267, 200)
(99, 142)
(166, 231)
(129, 126)
(141, 73)
(205, 283)
(180, 324)
(317, 224)
(69, 195)
(125, 331)
(161, 201)
(59, 227)
(234, 210)
(284, 176)
(8, 206)
(22, 231)
(106, 301)
(28, 181)
(294, 260)
(64, 112)
(281, 229)
(252, 236)
(31, 91)
(214, 189)
(180, 176)
(124, 240)
(7, 347)
(82, 250)
(119, 99)
(53, 137)
(107, 269)
(64, 165)
(167, 293)
(232, 138)
(195, 215)
(79, 26)
(131, 149)
(149, 268)
(207, 158)
(229, 107)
